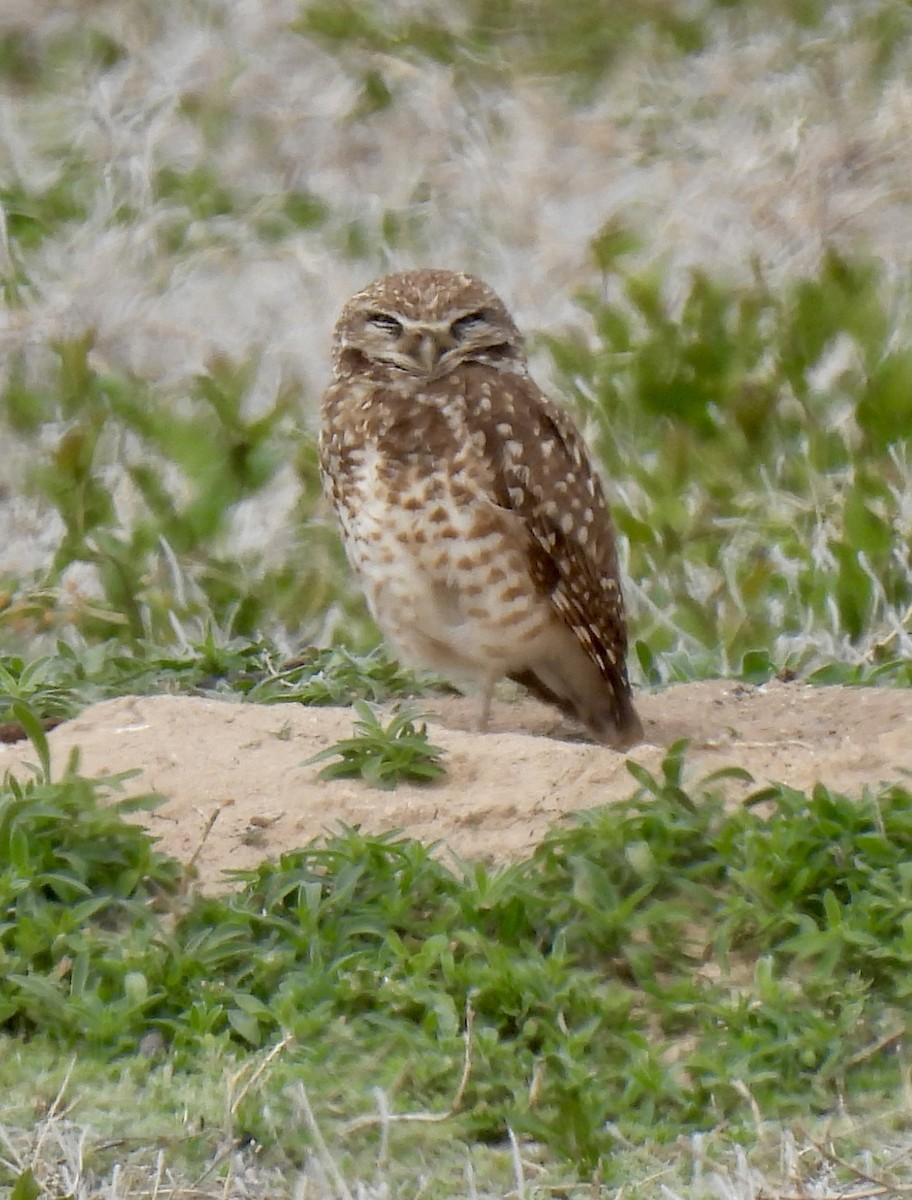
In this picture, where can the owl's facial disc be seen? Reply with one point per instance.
(426, 348)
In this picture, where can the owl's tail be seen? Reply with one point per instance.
(607, 712)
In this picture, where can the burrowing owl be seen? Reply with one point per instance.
(469, 507)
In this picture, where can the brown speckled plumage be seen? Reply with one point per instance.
(468, 503)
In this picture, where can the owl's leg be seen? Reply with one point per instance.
(484, 703)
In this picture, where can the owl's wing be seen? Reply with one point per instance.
(542, 472)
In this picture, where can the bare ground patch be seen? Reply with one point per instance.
(241, 770)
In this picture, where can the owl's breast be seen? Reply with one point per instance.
(443, 566)
(398, 516)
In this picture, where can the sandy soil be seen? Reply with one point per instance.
(246, 765)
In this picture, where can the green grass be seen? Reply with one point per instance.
(383, 755)
(579, 42)
(578, 45)
(183, 472)
(787, 547)
(58, 685)
(663, 968)
(755, 438)
(754, 433)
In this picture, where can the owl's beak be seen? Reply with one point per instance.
(428, 351)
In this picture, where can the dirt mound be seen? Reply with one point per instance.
(238, 787)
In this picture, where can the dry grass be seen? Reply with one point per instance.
(768, 145)
(62, 1155)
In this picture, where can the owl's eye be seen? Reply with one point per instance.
(462, 325)
(385, 322)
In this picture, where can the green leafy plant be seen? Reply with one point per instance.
(159, 561)
(579, 45)
(75, 879)
(384, 755)
(574, 988)
(58, 685)
(336, 676)
(786, 547)
(761, 496)
(42, 684)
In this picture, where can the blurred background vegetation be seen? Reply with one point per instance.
(741, 362)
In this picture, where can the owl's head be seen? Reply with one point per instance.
(422, 324)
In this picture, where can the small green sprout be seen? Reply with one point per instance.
(384, 756)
